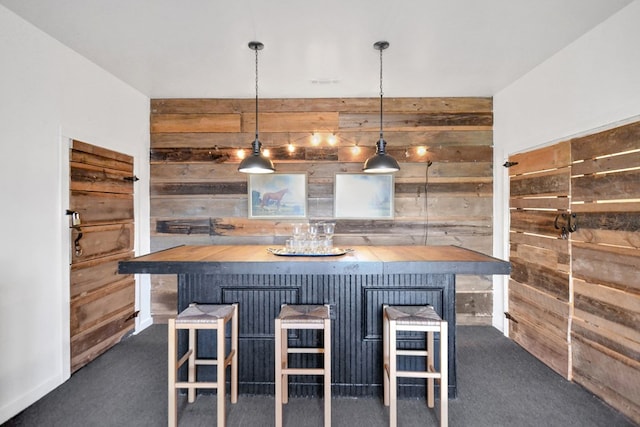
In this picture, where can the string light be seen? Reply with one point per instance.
(266, 152)
(332, 139)
(355, 149)
(315, 139)
(291, 148)
(421, 151)
(240, 154)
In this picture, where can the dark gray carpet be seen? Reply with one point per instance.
(499, 384)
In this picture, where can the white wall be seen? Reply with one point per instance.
(591, 85)
(49, 93)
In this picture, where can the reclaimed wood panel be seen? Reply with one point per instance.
(99, 207)
(198, 197)
(102, 302)
(539, 290)
(217, 106)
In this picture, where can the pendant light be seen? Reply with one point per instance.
(381, 162)
(256, 162)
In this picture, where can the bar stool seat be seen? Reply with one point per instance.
(414, 318)
(193, 318)
(301, 317)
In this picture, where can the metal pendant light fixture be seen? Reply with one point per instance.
(256, 162)
(381, 162)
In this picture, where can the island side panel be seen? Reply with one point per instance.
(356, 308)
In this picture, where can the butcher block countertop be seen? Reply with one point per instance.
(233, 259)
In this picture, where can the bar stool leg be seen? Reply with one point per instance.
(234, 358)
(173, 392)
(193, 348)
(385, 355)
(279, 390)
(327, 373)
(221, 370)
(444, 375)
(393, 377)
(430, 368)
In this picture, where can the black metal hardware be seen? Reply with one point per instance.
(509, 164)
(569, 224)
(131, 178)
(510, 317)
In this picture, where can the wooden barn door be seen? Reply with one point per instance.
(605, 332)
(539, 288)
(574, 298)
(102, 233)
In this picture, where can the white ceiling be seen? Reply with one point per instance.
(198, 48)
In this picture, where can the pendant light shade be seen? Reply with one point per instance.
(381, 162)
(256, 162)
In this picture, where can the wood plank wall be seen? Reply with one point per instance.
(198, 197)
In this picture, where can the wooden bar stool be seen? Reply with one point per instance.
(301, 317)
(414, 318)
(194, 318)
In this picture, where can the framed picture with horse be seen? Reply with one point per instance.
(278, 195)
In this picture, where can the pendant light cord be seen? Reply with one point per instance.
(256, 94)
(381, 93)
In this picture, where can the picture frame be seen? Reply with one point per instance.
(363, 196)
(277, 195)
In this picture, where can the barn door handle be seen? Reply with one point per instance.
(569, 224)
(131, 178)
(76, 242)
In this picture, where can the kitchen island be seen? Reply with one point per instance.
(355, 284)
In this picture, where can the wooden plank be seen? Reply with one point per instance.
(398, 121)
(98, 156)
(546, 203)
(94, 274)
(88, 345)
(91, 309)
(410, 139)
(620, 206)
(435, 154)
(536, 222)
(606, 164)
(196, 123)
(474, 303)
(217, 106)
(611, 228)
(613, 378)
(550, 183)
(601, 331)
(611, 186)
(194, 188)
(610, 312)
(612, 266)
(97, 208)
(552, 282)
(543, 257)
(539, 309)
(560, 246)
(617, 140)
(546, 158)
(102, 240)
(550, 350)
(94, 178)
(291, 122)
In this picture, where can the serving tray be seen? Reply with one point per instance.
(285, 252)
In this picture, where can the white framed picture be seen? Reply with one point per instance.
(363, 196)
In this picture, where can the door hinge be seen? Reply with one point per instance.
(132, 315)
